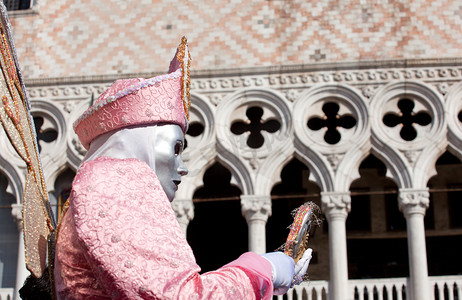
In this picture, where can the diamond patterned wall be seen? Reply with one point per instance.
(80, 38)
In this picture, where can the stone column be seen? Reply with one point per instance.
(21, 271)
(335, 206)
(184, 210)
(413, 203)
(256, 210)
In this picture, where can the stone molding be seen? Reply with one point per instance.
(238, 153)
(454, 104)
(339, 159)
(256, 207)
(290, 80)
(16, 212)
(10, 168)
(336, 205)
(413, 201)
(356, 71)
(366, 80)
(410, 161)
(184, 210)
(425, 98)
(255, 171)
(310, 104)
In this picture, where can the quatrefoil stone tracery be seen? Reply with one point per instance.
(254, 127)
(195, 129)
(407, 119)
(46, 135)
(331, 121)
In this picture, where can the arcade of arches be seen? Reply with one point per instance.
(375, 154)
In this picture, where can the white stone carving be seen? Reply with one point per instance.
(16, 212)
(411, 156)
(290, 94)
(334, 159)
(184, 211)
(68, 106)
(79, 147)
(256, 207)
(233, 149)
(256, 210)
(336, 200)
(414, 200)
(409, 159)
(454, 115)
(332, 165)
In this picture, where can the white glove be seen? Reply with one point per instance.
(302, 266)
(283, 270)
(285, 274)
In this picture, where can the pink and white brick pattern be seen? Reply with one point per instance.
(68, 38)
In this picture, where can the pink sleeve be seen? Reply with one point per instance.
(258, 270)
(136, 247)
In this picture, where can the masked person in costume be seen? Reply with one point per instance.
(120, 238)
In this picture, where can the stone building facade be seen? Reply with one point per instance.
(355, 105)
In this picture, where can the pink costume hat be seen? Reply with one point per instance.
(139, 101)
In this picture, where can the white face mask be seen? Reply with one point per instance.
(160, 146)
(169, 165)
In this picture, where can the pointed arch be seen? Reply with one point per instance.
(410, 162)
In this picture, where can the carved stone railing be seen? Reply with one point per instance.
(442, 287)
(6, 293)
(381, 288)
(446, 287)
(310, 290)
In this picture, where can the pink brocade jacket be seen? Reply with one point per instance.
(120, 240)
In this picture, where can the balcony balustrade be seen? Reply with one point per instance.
(442, 288)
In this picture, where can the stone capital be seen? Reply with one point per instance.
(256, 207)
(336, 204)
(184, 210)
(413, 201)
(16, 212)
